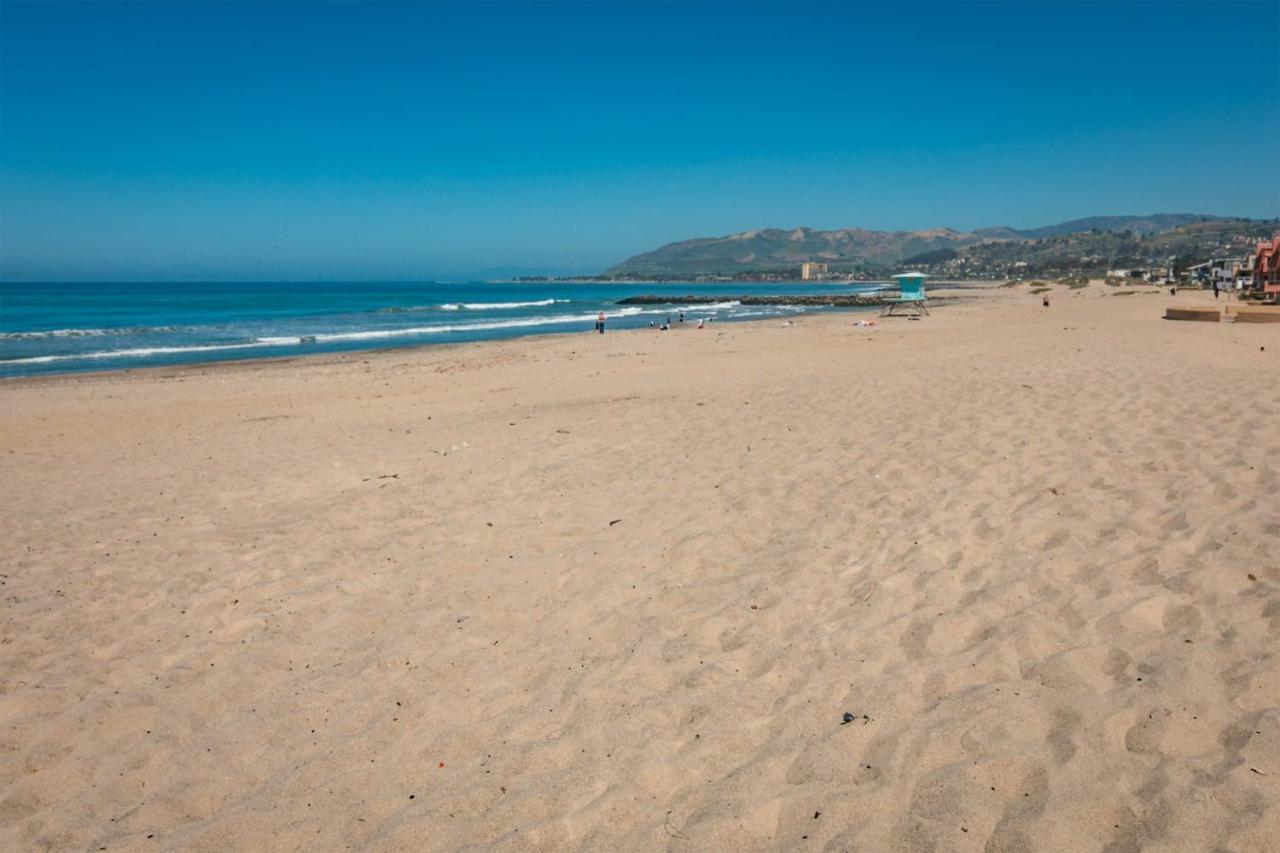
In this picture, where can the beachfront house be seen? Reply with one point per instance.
(1221, 273)
(1200, 274)
(1266, 268)
(1231, 273)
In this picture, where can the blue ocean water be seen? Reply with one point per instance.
(64, 327)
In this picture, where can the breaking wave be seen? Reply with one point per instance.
(495, 306)
(85, 333)
(335, 337)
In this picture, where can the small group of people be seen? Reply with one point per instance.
(702, 321)
(665, 325)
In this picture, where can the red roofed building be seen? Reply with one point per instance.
(1266, 267)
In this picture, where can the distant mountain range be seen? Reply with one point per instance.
(1156, 223)
(861, 250)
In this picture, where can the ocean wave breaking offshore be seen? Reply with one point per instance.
(61, 328)
(86, 333)
(272, 342)
(444, 328)
(134, 352)
(496, 306)
(337, 337)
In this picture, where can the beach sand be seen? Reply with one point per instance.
(617, 592)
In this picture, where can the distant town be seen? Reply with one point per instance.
(1166, 249)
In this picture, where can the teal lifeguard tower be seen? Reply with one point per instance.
(910, 298)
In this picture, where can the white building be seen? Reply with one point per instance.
(810, 270)
(1231, 273)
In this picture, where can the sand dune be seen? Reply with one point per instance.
(617, 592)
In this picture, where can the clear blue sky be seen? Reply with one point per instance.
(294, 140)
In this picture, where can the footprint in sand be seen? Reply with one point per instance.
(1026, 804)
(1057, 540)
(1070, 617)
(877, 760)
(916, 638)
(1145, 735)
(675, 649)
(1117, 666)
(1181, 618)
(733, 639)
(1061, 737)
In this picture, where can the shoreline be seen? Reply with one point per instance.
(831, 301)
(342, 355)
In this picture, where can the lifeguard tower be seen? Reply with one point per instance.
(910, 298)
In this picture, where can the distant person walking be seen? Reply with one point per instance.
(600, 323)
(1215, 290)
(1045, 301)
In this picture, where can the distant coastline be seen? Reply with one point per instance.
(1091, 247)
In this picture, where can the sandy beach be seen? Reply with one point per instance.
(620, 592)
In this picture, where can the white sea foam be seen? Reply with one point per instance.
(367, 334)
(83, 333)
(495, 306)
(469, 306)
(445, 328)
(775, 311)
(135, 352)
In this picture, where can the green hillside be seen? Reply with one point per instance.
(1093, 243)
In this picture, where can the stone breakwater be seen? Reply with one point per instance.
(842, 300)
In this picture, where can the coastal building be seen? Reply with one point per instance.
(810, 270)
(1199, 275)
(1222, 273)
(1231, 273)
(1266, 267)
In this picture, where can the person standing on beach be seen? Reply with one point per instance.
(600, 323)
(1215, 290)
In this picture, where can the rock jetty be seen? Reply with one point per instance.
(839, 300)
